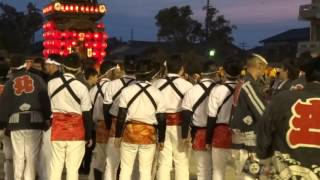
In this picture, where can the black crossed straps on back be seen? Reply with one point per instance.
(143, 90)
(204, 95)
(173, 86)
(99, 91)
(228, 97)
(125, 84)
(66, 84)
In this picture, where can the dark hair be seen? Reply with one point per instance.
(209, 66)
(130, 64)
(233, 66)
(17, 60)
(174, 63)
(145, 69)
(106, 66)
(303, 60)
(4, 68)
(290, 65)
(39, 60)
(72, 61)
(313, 70)
(56, 58)
(89, 72)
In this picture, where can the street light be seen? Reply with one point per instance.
(212, 52)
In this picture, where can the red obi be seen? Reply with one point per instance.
(67, 127)
(174, 119)
(222, 136)
(102, 133)
(139, 133)
(199, 140)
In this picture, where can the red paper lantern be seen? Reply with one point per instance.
(100, 25)
(82, 9)
(74, 34)
(88, 35)
(96, 36)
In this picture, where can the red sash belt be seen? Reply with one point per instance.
(67, 127)
(222, 136)
(174, 119)
(139, 133)
(199, 140)
(102, 133)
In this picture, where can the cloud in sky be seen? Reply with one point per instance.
(255, 19)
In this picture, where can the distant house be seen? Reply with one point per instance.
(282, 45)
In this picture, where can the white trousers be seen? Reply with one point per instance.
(128, 153)
(220, 159)
(173, 151)
(68, 152)
(112, 160)
(204, 165)
(26, 148)
(8, 159)
(45, 155)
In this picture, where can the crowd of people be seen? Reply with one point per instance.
(140, 119)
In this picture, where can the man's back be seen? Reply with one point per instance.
(290, 131)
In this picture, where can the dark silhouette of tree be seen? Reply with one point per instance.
(219, 29)
(176, 24)
(17, 28)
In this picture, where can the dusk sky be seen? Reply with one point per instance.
(255, 19)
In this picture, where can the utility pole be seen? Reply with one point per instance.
(243, 45)
(207, 19)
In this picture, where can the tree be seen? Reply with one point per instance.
(176, 24)
(219, 29)
(17, 29)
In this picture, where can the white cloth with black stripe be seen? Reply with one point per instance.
(199, 117)
(113, 89)
(215, 101)
(171, 96)
(63, 102)
(97, 94)
(142, 108)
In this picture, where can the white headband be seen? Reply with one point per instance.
(20, 67)
(260, 58)
(52, 61)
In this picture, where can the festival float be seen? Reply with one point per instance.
(75, 26)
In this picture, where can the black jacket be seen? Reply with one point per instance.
(290, 130)
(248, 112)
(25, 92)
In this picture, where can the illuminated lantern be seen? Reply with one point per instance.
(88, 36)
(96, 10)
(91, 9)
(87, 9)
(96, 36)
(74, 34)
(104, 36)
(82, 9)
(66, 8)
(57, 6)
(102, 9)
(100, 26)
(71, 8)
(81, 36)
(73, 43)
(76, 8)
